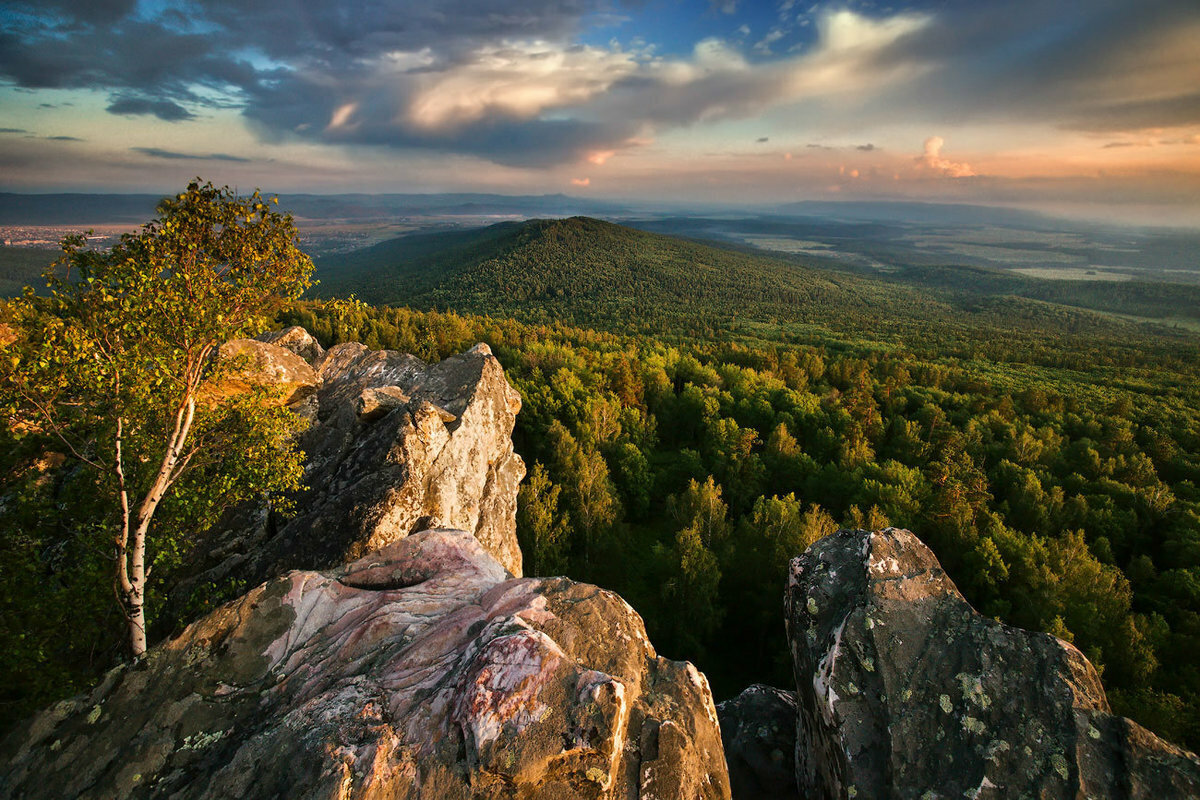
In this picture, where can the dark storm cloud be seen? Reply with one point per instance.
(290, 107)
(308, 57)
(322, 33)
(148, 68)
(91, 11)
(333, 30)
(167, 110)
(155, 152)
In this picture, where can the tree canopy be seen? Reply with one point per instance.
(116, 368)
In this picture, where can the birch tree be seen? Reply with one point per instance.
(116, 368)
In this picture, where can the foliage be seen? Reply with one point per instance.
(587, 272)
(720, 412)
(115, 371)
(1060, 499)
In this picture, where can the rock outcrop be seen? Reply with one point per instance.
(297, 340)
(396, 446)
(758, 729)
(420, 670)
(905, 691)
(260, 365)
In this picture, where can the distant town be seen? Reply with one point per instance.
(43, 236)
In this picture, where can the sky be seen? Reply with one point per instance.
(1088, 107)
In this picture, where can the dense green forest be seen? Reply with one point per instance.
(1146, 299)
(716, 411)
(685, 474)
(693, 418)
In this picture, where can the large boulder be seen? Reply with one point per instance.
(258, 365)
(297, 340)
(420, 670)
(758, 729)
(396, 446)
(906, 692)
(250, 365)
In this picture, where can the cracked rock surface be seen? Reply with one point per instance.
(420, 670)
(396, 446)
(904, 691)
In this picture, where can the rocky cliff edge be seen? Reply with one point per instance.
(418, 671)
(395, 446)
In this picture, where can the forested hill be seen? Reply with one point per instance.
(587, 272)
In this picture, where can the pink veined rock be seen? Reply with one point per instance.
(420, 670)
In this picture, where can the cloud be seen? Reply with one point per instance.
(763, 45)
(155, 152)
(513, 84)
(64, 139)
(763, 139)
(718, 82)
(543, 102)
(581, 181)
(167, 59)
(1153, 141)
(503, 81)
(1118, 67)
(866, 148)
(90, 11)
(932, 159)
(13, 130)
(167, 110)
(517, 81)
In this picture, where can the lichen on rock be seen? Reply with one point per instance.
(421, 670)
(904, 689)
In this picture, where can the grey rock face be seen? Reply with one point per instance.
(396, 446)
(419, 671)
(297, 340)
(905, 691)
(265, 365)
(758, 728)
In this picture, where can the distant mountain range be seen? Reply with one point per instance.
(95, 209)
(84, 209)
